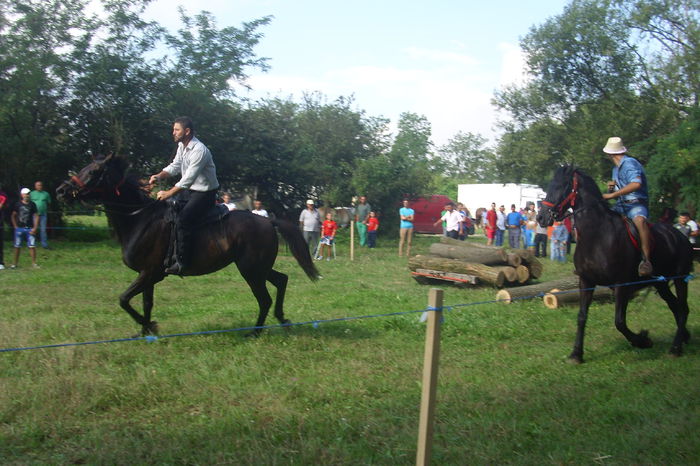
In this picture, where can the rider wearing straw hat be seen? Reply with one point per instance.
(629, 188)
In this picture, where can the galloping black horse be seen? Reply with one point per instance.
(139, 222)
(606, 255)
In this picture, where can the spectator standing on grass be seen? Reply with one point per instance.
(465, 225)
(25, 221)
(513, 222)
(41, 199)
(540, 241)
(328, 230)
(3, 204)
(310, 223)
(258, 209)
(560, 237)
(406, 228)
(500, 225)
(453, 221)
(361, 213)
(372, 223)
(491, 222)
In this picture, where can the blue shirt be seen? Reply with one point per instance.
(406, 211)
(514, 218)
(631, 171)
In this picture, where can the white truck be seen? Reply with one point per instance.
(474, 196)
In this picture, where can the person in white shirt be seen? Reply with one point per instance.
(226, 200)
(693, 237)
(454, 221)
(197, 187)
(258, 209)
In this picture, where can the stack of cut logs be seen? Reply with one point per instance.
(490, 265)
(467, 262)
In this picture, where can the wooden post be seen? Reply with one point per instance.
(430, 374)
(352, 240)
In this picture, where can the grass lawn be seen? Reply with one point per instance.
(339, 393)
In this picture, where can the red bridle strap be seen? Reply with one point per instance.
(569, 201)
(82, 185)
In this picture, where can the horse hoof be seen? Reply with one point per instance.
(576, 360)
(253, 334)
(675, 351)
(643, 341)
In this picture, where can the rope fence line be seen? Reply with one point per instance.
(317, 322)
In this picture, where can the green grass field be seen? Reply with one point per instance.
(343, 393)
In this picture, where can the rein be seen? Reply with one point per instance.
(81, 184)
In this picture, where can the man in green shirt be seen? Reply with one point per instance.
(42, 199)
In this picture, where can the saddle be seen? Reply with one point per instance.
(633, 234)
(215, 213)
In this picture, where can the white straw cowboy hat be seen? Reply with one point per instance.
(614, 146)
(310, 202)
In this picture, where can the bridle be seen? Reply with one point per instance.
(87, 189)
(568, 201)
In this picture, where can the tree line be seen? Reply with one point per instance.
(75, 84)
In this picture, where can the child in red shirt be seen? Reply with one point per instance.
(328, 230)
(372, 223)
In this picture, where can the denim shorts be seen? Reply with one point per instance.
(19, 233)
(636, 209)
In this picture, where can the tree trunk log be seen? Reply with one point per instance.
(513, 260)
(485, 273)
(467, 244)
(508, 272)
(474, 255)
(530, 261)
(523, 274)
(553, 301)
(510, 294)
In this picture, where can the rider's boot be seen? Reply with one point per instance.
(182, 253)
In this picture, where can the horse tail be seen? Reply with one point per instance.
(300, 250)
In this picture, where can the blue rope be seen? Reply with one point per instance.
(316, 323)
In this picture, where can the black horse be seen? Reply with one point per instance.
(140, 225)
(606, 254)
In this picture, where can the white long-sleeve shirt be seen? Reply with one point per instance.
(196, 165)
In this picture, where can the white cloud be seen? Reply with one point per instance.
(443, 56)
(512, 65)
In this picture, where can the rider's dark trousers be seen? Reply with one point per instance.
(198, 205)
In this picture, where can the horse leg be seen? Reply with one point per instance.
(143, 283)
(586, 296)
(679, 306)
(257, 286)
(279, 281)
(147, 307)
(638, 340)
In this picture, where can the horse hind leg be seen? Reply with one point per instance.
(262, 296)
(279, 281)
(679, 306)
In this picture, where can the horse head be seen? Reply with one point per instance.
(561, 195)
(103, 175)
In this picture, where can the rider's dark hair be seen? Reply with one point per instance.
(185, 122)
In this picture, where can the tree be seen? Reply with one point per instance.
(387, 177)
(465, 157)
(602, 68)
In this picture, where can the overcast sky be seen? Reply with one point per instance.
(441, 59)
